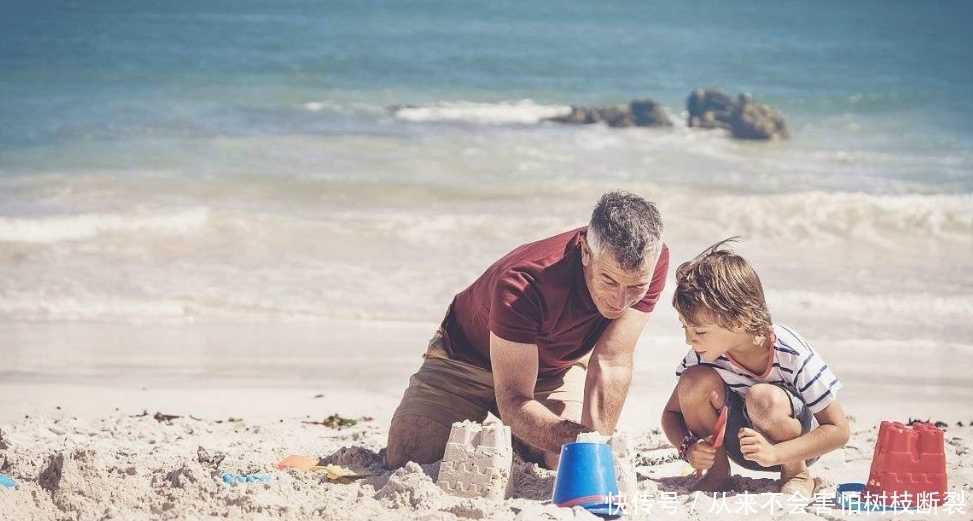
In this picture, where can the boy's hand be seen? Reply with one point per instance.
(701, 455)
(756, 448)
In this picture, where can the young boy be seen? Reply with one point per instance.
(782, 409)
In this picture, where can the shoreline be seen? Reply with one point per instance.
(93, 368)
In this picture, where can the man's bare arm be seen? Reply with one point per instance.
(515, 368)
(610, 371)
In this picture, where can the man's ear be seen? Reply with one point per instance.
(585, 251)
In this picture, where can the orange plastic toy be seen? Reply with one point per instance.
(908, 466)
(717, 438)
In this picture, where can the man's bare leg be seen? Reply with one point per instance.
(415, 438)
(769, 409)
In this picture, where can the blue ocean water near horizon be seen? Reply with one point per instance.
(215, 160)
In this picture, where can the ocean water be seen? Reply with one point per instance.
(181, 162)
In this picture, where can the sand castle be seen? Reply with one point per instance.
(623, 456)
(477, 462)
(908, 466)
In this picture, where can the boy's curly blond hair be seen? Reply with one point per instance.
(721, 286)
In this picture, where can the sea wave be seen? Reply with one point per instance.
(228, 300)
(852, 304)
(819, 217)
(344, 108)
(510, 112)
(52, 229)
(827, 216)
(513, 213)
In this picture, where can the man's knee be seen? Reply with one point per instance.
(527, 452)
(551, 460)
(415, 438)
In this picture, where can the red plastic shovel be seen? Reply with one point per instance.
(717, 439)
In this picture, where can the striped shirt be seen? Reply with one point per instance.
(795, 365)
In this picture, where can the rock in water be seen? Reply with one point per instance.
(754, 121)
(710, 108)
(648, 113)
(744, 118)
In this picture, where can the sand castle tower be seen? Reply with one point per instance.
(477, 462)
(623, 456)
(908, 466)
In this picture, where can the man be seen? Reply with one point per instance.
(544, 339)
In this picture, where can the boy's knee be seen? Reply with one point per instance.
(697, 383)
(766, 399)
(768, 406)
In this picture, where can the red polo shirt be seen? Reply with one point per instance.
(536, 294)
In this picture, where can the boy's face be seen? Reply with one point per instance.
(709, 340)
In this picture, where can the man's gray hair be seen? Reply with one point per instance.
(626, 226)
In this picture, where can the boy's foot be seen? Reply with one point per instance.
(802, 485)
(796, 479)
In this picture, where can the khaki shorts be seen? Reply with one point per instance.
(448, 391)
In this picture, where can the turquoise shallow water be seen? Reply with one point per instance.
(183, 160)
(886, 75)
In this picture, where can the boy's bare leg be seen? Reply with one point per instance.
(797, 480)
(769, 408)
(701, 394)
(715, 478)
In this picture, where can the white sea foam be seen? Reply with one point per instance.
(850, 303)
(808, 216)
(33, 307)
(828, 217)
(513, 112)
(51, 229)
(132, 309)
(343, 108)
(333, 250)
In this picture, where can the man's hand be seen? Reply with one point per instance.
(755, 447)
(515, 369)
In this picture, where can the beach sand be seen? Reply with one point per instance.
(89, 445)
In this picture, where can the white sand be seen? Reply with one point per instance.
(80, 447)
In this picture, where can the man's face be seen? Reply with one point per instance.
(613, 289)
